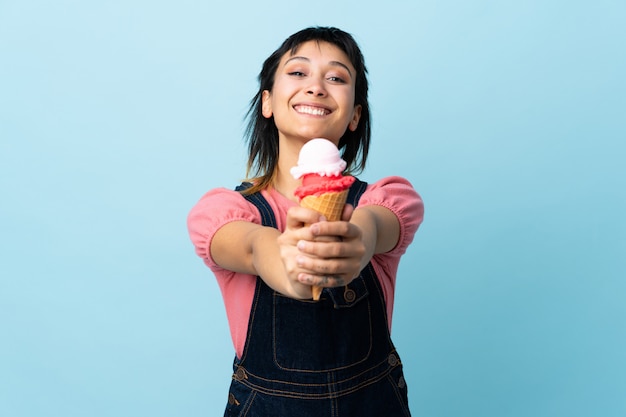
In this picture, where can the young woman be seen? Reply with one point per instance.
(296, 356)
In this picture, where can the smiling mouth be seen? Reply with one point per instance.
(315, 111)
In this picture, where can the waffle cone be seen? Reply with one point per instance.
(328, 204)
(331, 206)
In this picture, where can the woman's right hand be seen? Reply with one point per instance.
(250, 248)
(296, 230)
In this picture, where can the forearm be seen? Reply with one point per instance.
(253, 249)
(380, 230)
(365, 220)
(269, 264)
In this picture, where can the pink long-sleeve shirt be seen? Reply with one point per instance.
(221, 206)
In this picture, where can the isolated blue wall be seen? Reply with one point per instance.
(508, 117)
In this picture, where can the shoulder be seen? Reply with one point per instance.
(399, 196)
(394, 193)
(224, 202)
(215, 209)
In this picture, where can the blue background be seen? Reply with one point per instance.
(508, 117)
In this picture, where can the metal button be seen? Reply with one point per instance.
(349, 295)
(393, 359)
(240, 374)
(401, 382)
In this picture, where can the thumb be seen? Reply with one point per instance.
(348, 209)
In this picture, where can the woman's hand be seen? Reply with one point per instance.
(333, 256)
(249, 248)
(296, 231)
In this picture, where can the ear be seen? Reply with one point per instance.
(266, 104)
(356, 116)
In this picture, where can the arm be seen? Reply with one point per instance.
(388, 215)
(380, 228)
(249, 248)
(227, 235)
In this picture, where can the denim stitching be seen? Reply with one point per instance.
(334, 406)
(364, 296)
(399, 395)
(385, 370)
(319, 396)
(248, 405)
(363, 359)
(345, 380)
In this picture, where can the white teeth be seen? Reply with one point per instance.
(316, 111)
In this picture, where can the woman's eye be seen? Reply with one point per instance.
(297, 73)
(337, 80)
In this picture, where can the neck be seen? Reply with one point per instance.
(284, 182)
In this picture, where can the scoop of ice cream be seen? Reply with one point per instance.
(319, 156)
(313, 184)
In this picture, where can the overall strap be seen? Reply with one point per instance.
(267, 215)
(356, 190)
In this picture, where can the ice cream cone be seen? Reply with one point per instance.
(324, 187)
(317, 292)
(328, 204)
(331, 206)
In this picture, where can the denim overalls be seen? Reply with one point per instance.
(332, 357)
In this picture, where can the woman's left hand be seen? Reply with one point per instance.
(335, 257)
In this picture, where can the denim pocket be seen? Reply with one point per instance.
(332, 333)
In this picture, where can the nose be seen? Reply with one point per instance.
(316, 87)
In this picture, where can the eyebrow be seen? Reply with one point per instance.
(333, 63)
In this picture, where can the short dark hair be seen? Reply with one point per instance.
(261, 132)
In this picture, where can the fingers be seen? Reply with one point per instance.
(299, 216)
(348, 209)
(326, 254)
(344, 266)
(296, 230)
(341, 265)
(346, 240)
(342, 229)
(323, 280)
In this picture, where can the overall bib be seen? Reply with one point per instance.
(333, 357)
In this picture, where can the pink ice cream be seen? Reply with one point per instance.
(320, 166)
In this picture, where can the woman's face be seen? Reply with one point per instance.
(313, 94)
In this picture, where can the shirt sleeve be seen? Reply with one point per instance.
(215, 209)
(398, 195)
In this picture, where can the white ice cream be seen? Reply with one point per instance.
(319, 156)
